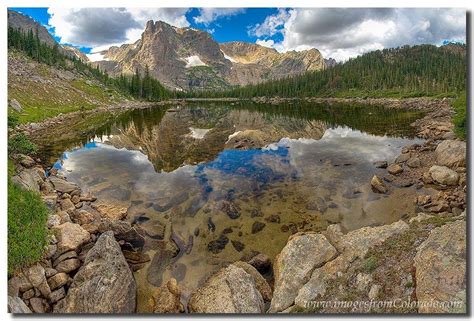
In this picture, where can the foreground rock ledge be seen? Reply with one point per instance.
(231, 290)
(104, 284)
(441, 268)
(293, 266)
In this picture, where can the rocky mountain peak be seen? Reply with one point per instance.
(188, 58)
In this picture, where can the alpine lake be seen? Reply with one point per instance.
(213, 183)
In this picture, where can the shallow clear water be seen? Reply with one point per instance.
(205, 174)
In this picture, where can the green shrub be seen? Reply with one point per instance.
(370, 264)
(27, 230)
(460, 120)
(12, 121)
(21, 144)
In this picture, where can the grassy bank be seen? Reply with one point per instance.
(46, 91)
(460, 120)
(27, 215)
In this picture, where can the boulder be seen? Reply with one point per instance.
(61, 185)
(378, 185)
(15, 105)
(104, 284)
(27, 161)
(37, 305)
(70, 236)
(351, 246)
(414, 162)
(29, 179)
(123, 231)
(230, 290)
(440, 264)
(293, 266)
(451, 153)
(261, 262)
(443, 175)
(260, 282)
(403, 158)
(82, 217)
(66, 204)
(394, 169)
(68, 266)
(110, 211)
(381, 164)
(166, 298)
(16, 305)
(35, 274)
(57, 295)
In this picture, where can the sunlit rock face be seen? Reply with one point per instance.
(187, 58)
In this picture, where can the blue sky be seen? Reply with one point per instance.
(337, 32)
(230, 28)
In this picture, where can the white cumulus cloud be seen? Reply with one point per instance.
(100, 28)
(344, 33)
(208, 15)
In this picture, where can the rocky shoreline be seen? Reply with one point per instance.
(92, 247)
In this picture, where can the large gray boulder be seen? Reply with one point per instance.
(293, 266)
(230, 290)
(443, 175)
(351, 246)
(61, 185)
(440, 264)
(451, 153)
(104, 284)
(16, 305)
(29, 179)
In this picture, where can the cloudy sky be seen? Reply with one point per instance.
(337, 33)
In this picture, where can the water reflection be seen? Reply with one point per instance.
(205, 178)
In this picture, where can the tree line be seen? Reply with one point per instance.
(138, 86)
(422, 70)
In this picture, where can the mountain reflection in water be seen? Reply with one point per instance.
(205, 175)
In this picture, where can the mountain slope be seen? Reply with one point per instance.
(43, 80)
(422, 70)
(189, 59)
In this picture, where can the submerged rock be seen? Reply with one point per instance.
(378, 185)
(294, 265)
(230, 290)
(104, 284)
(166, 299)
(231, 209)
(238, 246)
(381, 164)
(440, 264)
(218, 245)
(257, 227)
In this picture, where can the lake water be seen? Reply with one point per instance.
(225, 181)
